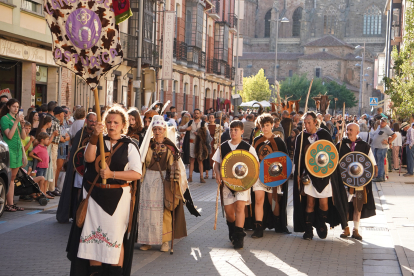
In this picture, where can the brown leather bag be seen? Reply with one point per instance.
(83, 206)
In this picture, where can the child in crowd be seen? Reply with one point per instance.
(40, 153)
(28, 145)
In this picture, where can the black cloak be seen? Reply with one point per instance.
(68, 200)
(337, 211)
(80, 267)
(287, 125)
(368, 209)
(268, 218)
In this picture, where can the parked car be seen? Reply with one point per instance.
(5, 173)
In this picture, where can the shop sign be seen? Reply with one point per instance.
(23, 52)
(168, 44)
(85, 37)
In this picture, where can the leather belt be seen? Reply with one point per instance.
(111, 186)
(192, 141)
(55, 143)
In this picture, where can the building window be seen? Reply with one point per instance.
(297, 16)
(372, 21)
(221, 41)
(35, 6)
(290, 73)
(115, 90)
(162, 91)
(185, 96)
(268, 16)
(329, 20)
(194, 96)
(317, 72)
(194, 15)
(396, 30)
(174, 96)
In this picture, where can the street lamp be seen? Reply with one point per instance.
(283, 20)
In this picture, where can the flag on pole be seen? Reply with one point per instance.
(122, 9)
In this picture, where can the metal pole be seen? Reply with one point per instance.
(277, 34)
(59, 96)
(139, 54)
(236, 107)
(361, 83)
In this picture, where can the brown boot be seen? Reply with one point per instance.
(202, 180)
(190, 179)
(346, 233)
(356, 235)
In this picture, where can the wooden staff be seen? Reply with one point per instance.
(301, 136)
(173, 212)
(218, 186)
(342, 127)
(101, 142)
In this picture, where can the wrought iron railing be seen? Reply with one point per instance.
(216, 8)
(203, 60)
(150, 53)
(227, 70)
(193, 55)
(233, 73)
(129, 46)
(181, 51)
(175, 48)
(233, 20)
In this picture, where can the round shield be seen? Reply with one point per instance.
(279, 134)
(356, 169)
(78, 161)
(257, 133)
(321, 158)
(239, 170)
(275, 169)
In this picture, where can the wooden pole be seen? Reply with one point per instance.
(218, 186)
(301, 136)
(101, 142)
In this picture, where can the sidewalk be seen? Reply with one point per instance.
(397, 199)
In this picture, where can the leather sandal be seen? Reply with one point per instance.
(9, 208)
(17, 208)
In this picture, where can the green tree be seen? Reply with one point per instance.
(342, 93)
(401, 87)
(255, 88)
(298, 86)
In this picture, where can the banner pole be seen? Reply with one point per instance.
(101, 142)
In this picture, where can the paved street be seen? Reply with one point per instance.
(34, 243)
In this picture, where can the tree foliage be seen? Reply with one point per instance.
(256, 88)
(401, 87)
(298, 86)
(342, 93)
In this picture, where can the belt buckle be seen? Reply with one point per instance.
(107, 186)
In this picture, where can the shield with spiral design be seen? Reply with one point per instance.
(275, 169)
(239, 170)
(321, 158)
(356, 169)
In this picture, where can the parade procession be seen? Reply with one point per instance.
(206, 137)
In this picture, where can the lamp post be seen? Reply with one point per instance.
(283, 20)
(361, 77)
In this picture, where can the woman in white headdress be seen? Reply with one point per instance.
(163, 191)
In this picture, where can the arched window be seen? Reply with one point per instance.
(372, 21)
(329, 20)
(297, 16)
(268, 16)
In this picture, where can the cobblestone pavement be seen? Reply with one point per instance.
(34, 243)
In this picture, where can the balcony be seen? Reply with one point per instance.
(180, 51)
(214, 13)
(233, 20)
(150, 53)
(196, 58)
(129, 46)
(220, 68)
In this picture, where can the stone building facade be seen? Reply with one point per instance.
(319, 40)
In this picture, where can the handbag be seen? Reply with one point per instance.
(83, 206)
(24, 157)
